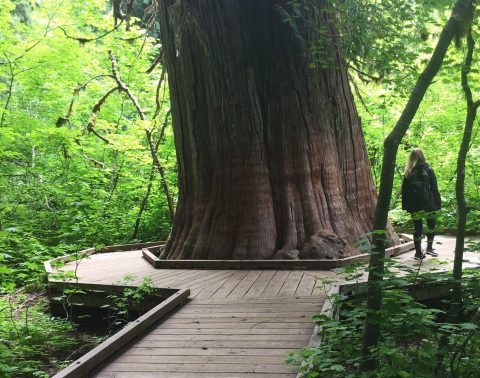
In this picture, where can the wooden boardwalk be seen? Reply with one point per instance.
(220, 338)
(236, 323)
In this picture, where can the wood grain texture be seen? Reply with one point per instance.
(243, 336)
(271, 157)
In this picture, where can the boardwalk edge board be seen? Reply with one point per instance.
(149, 249)
(85, 364)
(97, 295)
(329, 310)
(313, 264)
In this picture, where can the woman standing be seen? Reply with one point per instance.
(420, 197)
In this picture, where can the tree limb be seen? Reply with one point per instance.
(159, 103)
(123, 87)
(83, 40)
(151, 143)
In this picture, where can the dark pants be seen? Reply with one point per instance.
(417, 219)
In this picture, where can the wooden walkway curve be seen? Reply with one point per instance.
(236, 323)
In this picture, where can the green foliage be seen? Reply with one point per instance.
(409, 344)
(120, 305)
(437, 128)
(62, 188)
(32, 344)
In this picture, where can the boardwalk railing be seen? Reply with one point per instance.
(87, 363)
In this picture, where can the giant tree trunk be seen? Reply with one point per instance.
(271, 157)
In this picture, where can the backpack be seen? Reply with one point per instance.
(419, 181)
(417, 193)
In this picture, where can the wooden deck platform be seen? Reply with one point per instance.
(236, 323)
(220, 338)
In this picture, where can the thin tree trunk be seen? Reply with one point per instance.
(472, 107)
(456, 302)
(153, 146)
(376, 267)
(9, 95)
(154, 150)
(271, 157)
(143, 204)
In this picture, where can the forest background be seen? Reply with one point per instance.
(77, 171)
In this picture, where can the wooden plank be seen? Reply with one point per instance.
(276, 300)
(189, 375)
(229, 286)
(291, 284)
(241, 315)
(182, 276)
(138, 276)
(209, 290)
(161, 276)
(249, 264)
(199, 286)
(204, 368)
(135, 246)
(253, 307)
(206, 279)
(275, 284)
(319, 289)
(194, 276)
(94, 275)
(149, 256)
(245, 284)
(238, 321)
(306, 285)
(48, 267)
(96, 270)
(217, 274)
(327, 310)
(267, 360)
(105, 267)
(92, 359)
(232, 331)
(163, 292)
(220, 344)
(399, 249)
(260, 284)
(212, 351)
(222, 337)
(249, 325)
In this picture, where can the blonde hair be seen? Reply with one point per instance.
(416, 156)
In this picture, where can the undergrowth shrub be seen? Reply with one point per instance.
(408, 347)
(32, 343)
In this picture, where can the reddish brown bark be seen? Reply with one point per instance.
(271, 157)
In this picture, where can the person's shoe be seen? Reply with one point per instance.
(431, 252)
(419, 257)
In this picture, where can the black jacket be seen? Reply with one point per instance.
(428, 198)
